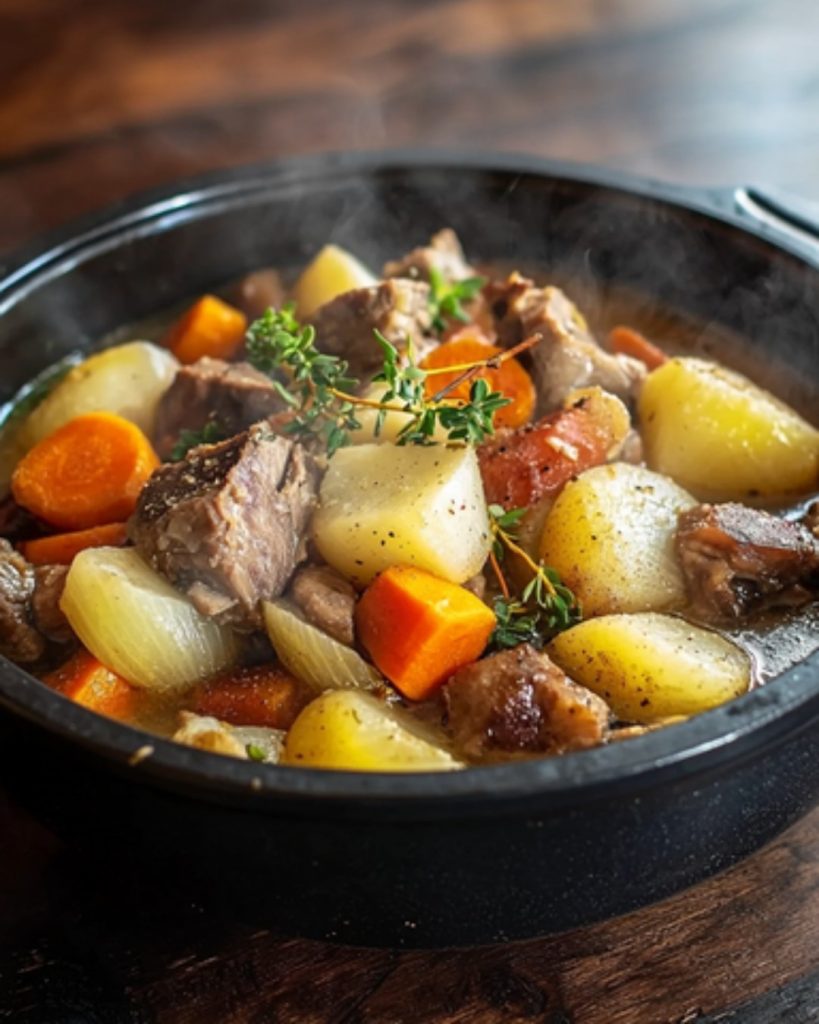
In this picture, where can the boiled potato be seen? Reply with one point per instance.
(610, 535)
(354, 731)
(392, 425)
(382, 505)
(332, 272)
(722, 437)
(650, 666)
(127, 380)
(134, 621)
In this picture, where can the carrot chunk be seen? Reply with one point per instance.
(264, 695)
(521, 467)
(60, 548)
(209, 328)
(628, 342)
(419, 629)
(87, 473)
(88, 682)
(469, 345)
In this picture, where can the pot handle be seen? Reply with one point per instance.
(781, 211)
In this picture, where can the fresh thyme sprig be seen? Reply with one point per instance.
(445, 298)
(209, 434)
(546, 606)
(318, 388)
(278, 344)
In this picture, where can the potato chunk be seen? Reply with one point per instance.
(382, 505)
(648, 667)
(354, 731)
(722, 437)
(127, 380)
(332, 272)
(610, 535)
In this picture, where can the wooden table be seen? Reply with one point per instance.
(103, 97)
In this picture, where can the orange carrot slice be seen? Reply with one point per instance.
(265, 695)
(209, 328)
(509, 377)
(87, 473)
(518, 468)
(88, 682)
(419, 629)
(628, 342)
(60, 548)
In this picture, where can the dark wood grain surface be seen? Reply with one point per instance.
(104, 97)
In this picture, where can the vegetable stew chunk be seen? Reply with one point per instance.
(519, 701)
(226, 524)
(30, 613)
(443, 253)
(232, 395)
(568, 357)
(19, 639)
(327, 600)
(398, 308)
(736, 559)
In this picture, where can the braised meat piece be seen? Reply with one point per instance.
(568, 357)
(30, 614)
(19, 639)
(48, 617)
(398, 308)
(519, 701)
(327, 600)
(257, 292)
(232, 395)
(225, 525)
(737, 559)
(811, 519)
(443, 253)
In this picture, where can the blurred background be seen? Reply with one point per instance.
(104, 97)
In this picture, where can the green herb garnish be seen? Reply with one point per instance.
(445, 298)
(546, 606)
(209, 434)
(318, 389)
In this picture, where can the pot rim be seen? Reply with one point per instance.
(782, 707)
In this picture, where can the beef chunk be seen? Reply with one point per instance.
(737, 559)
(225, 525)
(257, 292)
(327, 600)
(568, 357)
(19, 638)
(519, 701)
(443, 253)
(398, 308)
(233, 395)
(48, 617)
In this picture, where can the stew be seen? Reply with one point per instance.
(417, 521)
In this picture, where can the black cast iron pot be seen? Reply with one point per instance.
(423, 860)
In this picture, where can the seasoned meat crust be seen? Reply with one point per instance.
(225, 525)
(398, 308)
(519, 701)
(30, 614)
(19, 639)
(234, 395)
(737, 559)
(327, 600)
(443, 253)
(568, 357)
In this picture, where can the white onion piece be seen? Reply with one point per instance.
(313, 656)
(139, 626)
